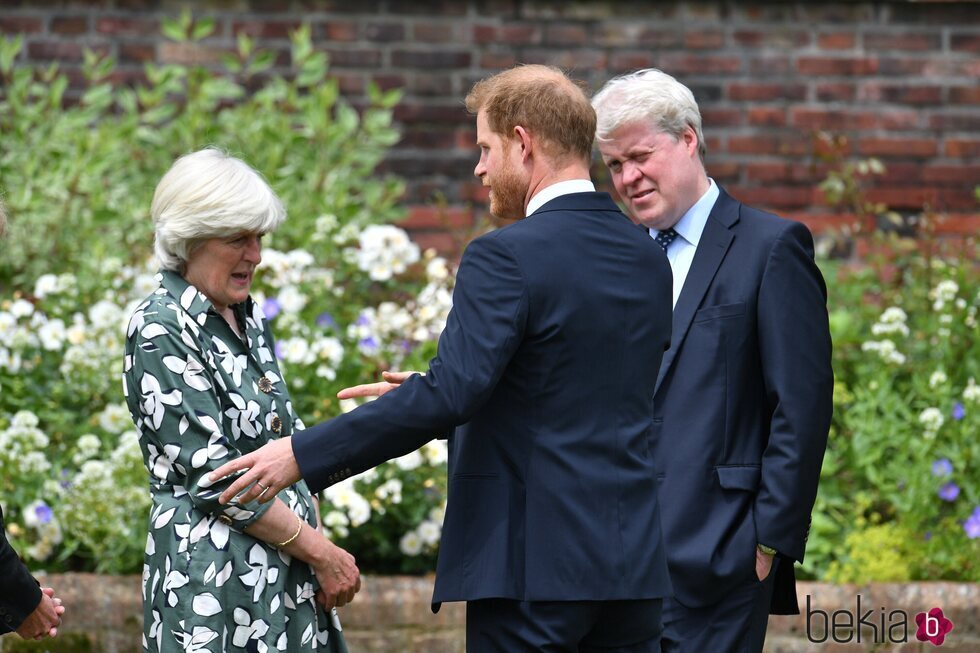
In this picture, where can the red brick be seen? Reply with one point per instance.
(484, 34)
(75, 24)
(660, 39)
(566, 35)
(350, 83)
(355, 58)
(896, 119)
(906, 67)
(423, 136)
(437, 217)
(385, 32)
(965, 223)
(965, 42)
(722, 117)
(837, 41)
(433, 32)
(627, 61)
(497, 60)
(689, 63)
(127, 26)
(833, 119)
(341, 30)
(964, 95)
(767, 66)
(130, 52)
(914, 94)
(837, 65)
(20, 24)
(704, 40)
(465, 139)
(266, 29)
(517, 33)
(54, 51)
(783, 172)
(431, 58)
(570, 59)
(772, 38)
(914, 41)
(776, 197)
(754, 91)
(819, 223)
(438, 113)
(951, 175)
(898, 147)
(835, 92)
(945, 121)
(386, 82)
(445, 244)
(906, 197)
(191, 53)
(767, 116)
(725, 171)
(791, 145)
(962, 148)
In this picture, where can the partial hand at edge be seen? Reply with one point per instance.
(763, 565)
(45, 619)
(339, 578)
(269, 469)
(391, 381)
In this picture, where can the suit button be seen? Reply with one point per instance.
(224, 519)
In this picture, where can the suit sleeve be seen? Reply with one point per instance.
(19, 592)
(483, 330)
(794, 341)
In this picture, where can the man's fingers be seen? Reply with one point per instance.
(364, 390)
(232, 466)
(396, 377)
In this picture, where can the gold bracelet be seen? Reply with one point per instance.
(299, 529)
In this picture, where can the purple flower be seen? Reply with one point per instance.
(271, 307)
(325, 320)
(369, 344)
(942, 467)
(43, 513)
(363, 320)
(927, 536)
(279, 352)
(972, 524)
(949, 491)
(958, 411)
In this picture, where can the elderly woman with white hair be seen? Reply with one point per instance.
(203, 387)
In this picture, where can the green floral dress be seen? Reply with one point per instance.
(200, 395)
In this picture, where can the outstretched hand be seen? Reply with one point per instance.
(391, 381)
(267, 470)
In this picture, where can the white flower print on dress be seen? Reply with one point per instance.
(155, 400)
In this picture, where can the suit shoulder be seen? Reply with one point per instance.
(770, 226)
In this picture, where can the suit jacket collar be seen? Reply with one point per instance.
(715, 241)
(597, 201)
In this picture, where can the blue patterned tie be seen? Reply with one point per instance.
(666, 237)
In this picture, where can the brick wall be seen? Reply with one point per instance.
(391, 614)
(899, 80)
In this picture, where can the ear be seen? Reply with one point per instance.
(523, 137)
(690, 141)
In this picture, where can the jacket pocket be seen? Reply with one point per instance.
(739, 477)
(719, 312)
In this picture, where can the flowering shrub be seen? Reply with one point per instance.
(348, 294)
(900, 495)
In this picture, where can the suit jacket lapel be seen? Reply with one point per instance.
(712, 247)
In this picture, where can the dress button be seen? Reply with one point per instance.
(276, 424)
(224, 519)
(265, 384)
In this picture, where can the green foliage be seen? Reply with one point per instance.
(348, 295)
(899, 496)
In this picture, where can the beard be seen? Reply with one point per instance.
(507, 194)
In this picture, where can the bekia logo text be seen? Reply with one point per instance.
(878, 626)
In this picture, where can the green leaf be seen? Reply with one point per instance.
(173, 30)
(203, 29)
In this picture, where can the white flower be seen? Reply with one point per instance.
(892, 315)
(21, 308)
(297, 350)
(437, 270)
(46, 284)
(88, 447)
(937, 379)
(291, 299)
(438, 514)
(24, 419)
(114, 418)
(972, 391)
(106, 315)
(409, 461)
(436, 451)
(410, 544)
(430, 532)
(945, 291)
(931, 419)
(390, 489)
(886, 350)
(385, 250)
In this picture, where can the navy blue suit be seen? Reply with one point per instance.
(743, 405)
(19, 592)
(544, 381)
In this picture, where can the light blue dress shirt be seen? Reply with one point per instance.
(689, 229)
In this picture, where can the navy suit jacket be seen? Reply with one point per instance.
(743, 404)
(544, 380)
(19, 592)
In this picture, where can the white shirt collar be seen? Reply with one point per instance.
(691, 225)
(545, 195)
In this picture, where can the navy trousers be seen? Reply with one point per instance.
(508, 626)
